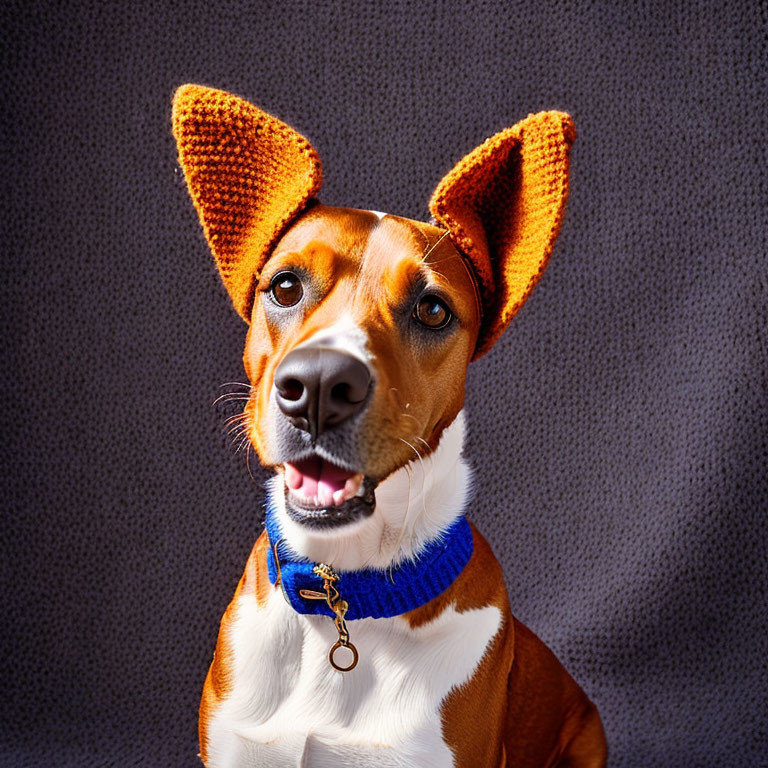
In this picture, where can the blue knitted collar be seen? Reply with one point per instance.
(372, 592)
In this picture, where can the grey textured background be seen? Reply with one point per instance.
(619, 429)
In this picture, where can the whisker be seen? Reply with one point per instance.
(424, 475)
(439, 274)
(437, 242)
(403, 526)
(248, 460)
(424, 482)
(240, 415)
(235, 432)
(423, 468)
(238, 421)
(227, 396)
(398, 400)
(410, 446)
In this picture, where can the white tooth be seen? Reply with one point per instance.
(326, 497)
(338, 497)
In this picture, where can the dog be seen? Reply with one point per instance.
(371, 626)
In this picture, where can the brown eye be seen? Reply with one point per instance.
(286, 289)
(432, 312)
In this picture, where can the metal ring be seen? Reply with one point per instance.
(338, 645)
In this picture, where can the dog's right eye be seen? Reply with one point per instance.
(286, 289)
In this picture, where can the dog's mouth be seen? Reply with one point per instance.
(321, 494)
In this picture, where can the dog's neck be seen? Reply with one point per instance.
(413, 506)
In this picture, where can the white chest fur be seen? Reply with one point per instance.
(288, 706)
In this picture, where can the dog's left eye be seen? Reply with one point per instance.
(432, 312)
(286, 289)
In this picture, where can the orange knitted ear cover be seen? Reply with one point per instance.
(503, 205)
(249, 176)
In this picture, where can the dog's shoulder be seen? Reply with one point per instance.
(541, 717)
(474, 714)
(551, 720)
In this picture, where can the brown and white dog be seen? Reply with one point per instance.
(361, 328)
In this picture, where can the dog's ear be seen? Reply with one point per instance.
(249, 176)
(503, 205)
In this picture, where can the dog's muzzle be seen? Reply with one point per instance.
(319, 389)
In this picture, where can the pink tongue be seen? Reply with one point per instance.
(316, 478)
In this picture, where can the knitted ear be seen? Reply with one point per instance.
(503, 205)
(248, 174)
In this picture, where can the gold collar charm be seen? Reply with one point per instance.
(339, 607)
(335, 603)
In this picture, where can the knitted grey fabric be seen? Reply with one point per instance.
(618, 430)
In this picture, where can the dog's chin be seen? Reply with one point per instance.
(323, 496)
(329, 518)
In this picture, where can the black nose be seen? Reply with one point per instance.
(319, 387)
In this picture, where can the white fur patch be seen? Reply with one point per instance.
(379, 214)
(413, 505)
(290, 708)
(344, 335)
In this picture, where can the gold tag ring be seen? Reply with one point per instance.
(338, 644)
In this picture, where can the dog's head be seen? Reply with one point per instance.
(361, 326)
